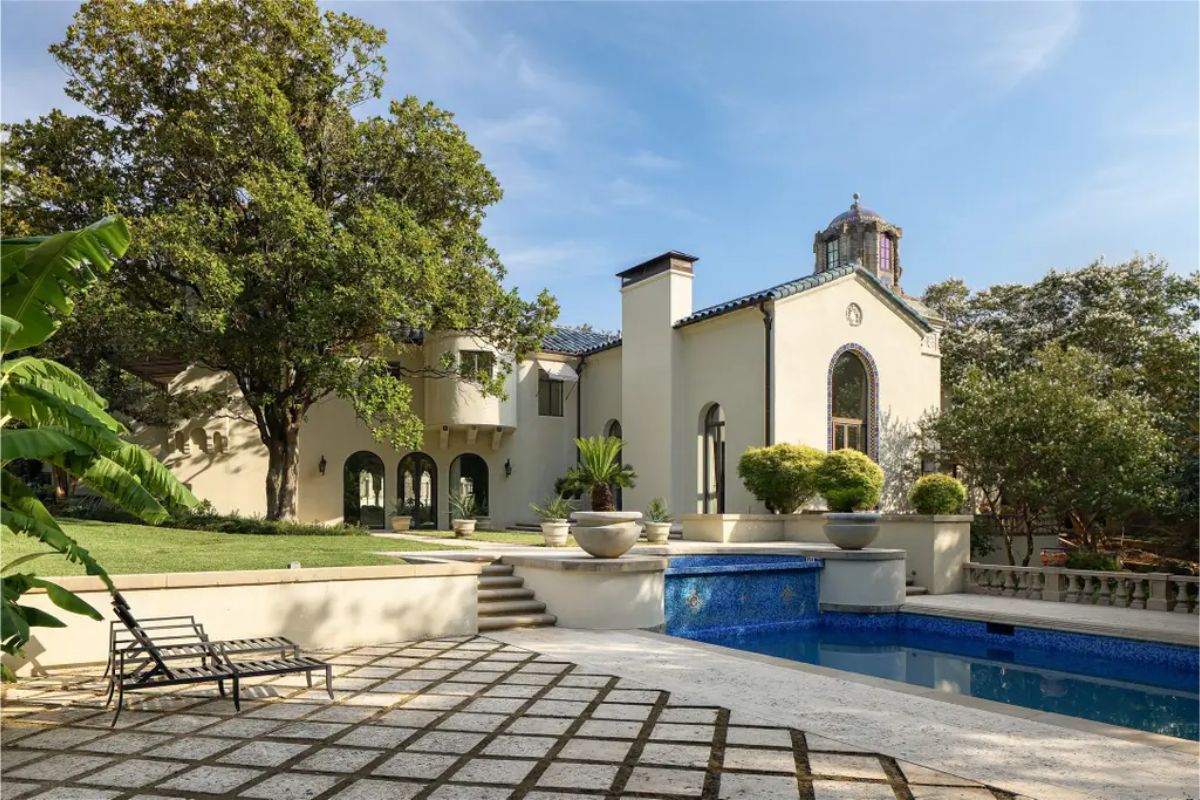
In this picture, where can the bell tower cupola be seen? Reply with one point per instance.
(860, 236)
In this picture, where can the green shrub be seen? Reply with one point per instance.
(1083, 559)
(203, 518)
(780, 476)
(937, 494)
(849, 481)
(657, 511)
(553, 508)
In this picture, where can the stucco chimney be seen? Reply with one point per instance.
(654, 295)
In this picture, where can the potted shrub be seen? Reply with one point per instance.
(402, 521)
(780, 476)
(937, 493)
(462, 509)
(850, 482)
(602, 532)
(658, 522)
(553, 513)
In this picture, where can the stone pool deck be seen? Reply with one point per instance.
(1128, 623)
(1020, 750)
(469, 718)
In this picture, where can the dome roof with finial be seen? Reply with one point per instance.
(856, 214)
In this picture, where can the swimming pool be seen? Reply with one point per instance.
(1143, 685)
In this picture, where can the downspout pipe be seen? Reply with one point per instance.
(768, 368)
(579, 404)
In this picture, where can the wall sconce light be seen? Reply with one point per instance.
(508, 467)
(321, 465)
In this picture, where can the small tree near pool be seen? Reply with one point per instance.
(1066, 437)
(599, 470)
(780, 476)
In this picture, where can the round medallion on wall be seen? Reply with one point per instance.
(854, 315)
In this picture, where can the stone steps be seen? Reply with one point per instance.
(506, 608)
(516, 621)
(912, 591)
(504, 601)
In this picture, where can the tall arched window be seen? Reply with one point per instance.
(614, 429)
(362, 490)
(469, 474)
(416, 490)
(852, 401)
(713, 461)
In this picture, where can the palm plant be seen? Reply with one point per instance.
(462, 504)
(51, 414)
(553, 508)
(600, 469)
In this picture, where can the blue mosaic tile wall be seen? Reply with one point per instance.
(731, 592)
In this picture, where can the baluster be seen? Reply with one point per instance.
(1029, 584)
(1122, 595)
(1010, 584)
(1181, 597)
(1105, 596)
(1074, 584)
(1139, 593)
(1037, 586)
(996, 582)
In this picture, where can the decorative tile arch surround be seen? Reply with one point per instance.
(872, 397)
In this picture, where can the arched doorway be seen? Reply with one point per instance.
(469, 474)
(416, 489)
(362, 490)
(852, 401)
(712, 485)
(613, 429)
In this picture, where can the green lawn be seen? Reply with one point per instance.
(125, 549)
(503, 537)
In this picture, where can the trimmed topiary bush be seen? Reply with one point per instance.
(780, 476)
(849, 481)
(937, 493)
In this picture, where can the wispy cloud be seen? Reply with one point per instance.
(651, 161)
(1021, 51)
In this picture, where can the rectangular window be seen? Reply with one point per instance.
(849, 434)
(474, 364)
(831, 254)
(550, 396)
(885, 253)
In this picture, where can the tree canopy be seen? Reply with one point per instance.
(281, 237)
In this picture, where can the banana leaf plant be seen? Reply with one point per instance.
(49, 413)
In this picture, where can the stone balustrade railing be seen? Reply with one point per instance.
(1155, 591)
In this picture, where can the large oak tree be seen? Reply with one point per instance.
(280, 237)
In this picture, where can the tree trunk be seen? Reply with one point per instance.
(62, 483)
(1027, 518)
(602, 497)
(283, 459)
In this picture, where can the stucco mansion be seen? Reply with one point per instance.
(837, 358)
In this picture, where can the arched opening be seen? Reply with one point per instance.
(469, 475)
(614, 429)
(362, 490)
(852, 393)
(219, 443)
(200, 439)
(712, 467)
(416, 490)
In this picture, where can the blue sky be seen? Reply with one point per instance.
(1006, 138)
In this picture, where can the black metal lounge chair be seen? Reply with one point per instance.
(182, 635)
(144, 663)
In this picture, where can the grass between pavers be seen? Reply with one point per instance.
(124, 549)
(529, 538)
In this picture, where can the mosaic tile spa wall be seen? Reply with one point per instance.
(706, 593)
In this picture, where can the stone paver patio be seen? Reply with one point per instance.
(459, 718)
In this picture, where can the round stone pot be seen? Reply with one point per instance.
(401, 523)
(606, 534)
(657, 532)
(852, 531)
(463, 527)
(554, 532)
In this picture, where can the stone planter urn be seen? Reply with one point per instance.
(463, 528)
(554, 532)
(657, 532)
(401, 523)
(606, 534)
(852, 531)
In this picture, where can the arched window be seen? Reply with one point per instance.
(469, 474)
(713, 461)
(219, 443)
(614, 429)
(181, 442)
(416, 490)
(200, 439)
(852, 401)
(362, 490)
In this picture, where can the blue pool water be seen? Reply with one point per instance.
(741, 604)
